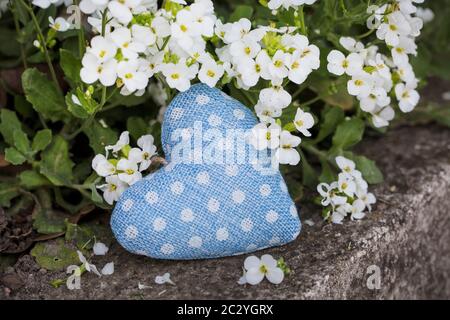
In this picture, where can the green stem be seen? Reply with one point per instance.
(301, 16)
(43, 44)
(81, 38)
(298, 92)
(18, 31)
(366, 34)
(311, 101)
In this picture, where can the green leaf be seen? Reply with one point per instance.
(55, 255)
(9, 124)
(241, 11)
(331, 117)
(56, 164)
(327, 175)
(81, 236)
(48, 221)
(10, 47)
(347, 134)
(22, 142)
(309, 175)
(70, 64)
(137, 127)
(31, 179)
(41, 140)
(100, 136)
(12, 155)
(8, 191)
(369, 169)
(44, 96)
(75, 109)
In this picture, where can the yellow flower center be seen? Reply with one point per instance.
(295, 65)
(183, 28)
(210, 73)
(345, 63)
(129, 171)
(344, 186)
(247, 50)
(128, 76)
(112, 187)
(278, 63)
(299, 123)
(175, 76)
(359, 82)
(268, 135)
(126, 44)
(99, 69)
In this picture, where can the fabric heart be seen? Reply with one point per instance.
(198, 209)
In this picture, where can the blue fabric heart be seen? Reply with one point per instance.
(198, 210)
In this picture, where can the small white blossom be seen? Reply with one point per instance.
(257, 269)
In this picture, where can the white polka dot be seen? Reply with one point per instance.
(177, 187)
(159, 224)
(283, 186)
(247, 225)
(272, 216)
(151, 197)
(222, 234)
(176, 114)
(203, 178)
(131, 232)
(187, 215)
(293, 211)
(238, 196)
(238, 114)
(213, 205)
(231, 170)
(167, 248)
(214, 120)
(127, 205)
(274, 240)
(195, 242)
(202, 99)
(265, 190)
(252, 247)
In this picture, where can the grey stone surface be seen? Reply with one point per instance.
(407, 236)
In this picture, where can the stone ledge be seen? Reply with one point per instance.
(407, 236)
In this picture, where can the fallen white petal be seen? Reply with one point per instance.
(275, 275)
(143, 286)
(93, 269)
(108, 269)
(165, 278)
(309, 222)
(100, 249)
(446, 96)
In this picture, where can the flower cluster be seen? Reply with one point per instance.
(375, 76)
(286, 4)
(347, 196)
(123, 166)
(280, 141)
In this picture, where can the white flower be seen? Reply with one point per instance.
(123, 141)
(93, 70)
(179, 75)
(165, 278)
(360, 85)
(338, 64)
(44, 4)
(346, 184)
(108, 269)
(122, 9)
(130, 48)
(382, 116)
(244, 49)
(236, 31)
(100, 249)
(133, 79)
(298, 70)
(377, 97)
(329, 194)
(277, 67)
(59, 24)
(263, 137)
(143, 157)
(102, 166)
(103, 49)
(351, 44)
(303, 121)
(426, 14)
(257, 269)
(367, 197)
(340, 213)
(275, 96)
(345, 164)
(113, 188)
(407, 97)
(357, 210)
(395, 25)
(266, 112)
(88, 266)
(129, 172)
(210, 73)
(90, 6)
(184, 30)
(286, 153)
